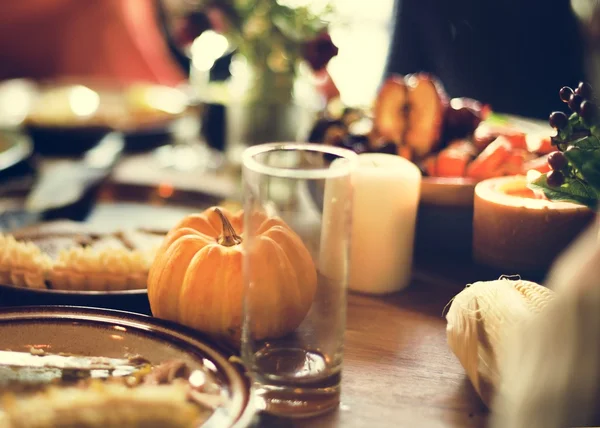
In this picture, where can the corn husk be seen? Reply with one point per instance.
(479, 320)
(551, 370)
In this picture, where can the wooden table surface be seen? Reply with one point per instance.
(398, 370)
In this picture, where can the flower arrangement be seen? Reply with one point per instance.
(275, 37)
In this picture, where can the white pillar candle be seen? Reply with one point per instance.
(386, 197)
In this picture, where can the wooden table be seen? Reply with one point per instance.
(398, 369)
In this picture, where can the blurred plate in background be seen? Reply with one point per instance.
(68, 116)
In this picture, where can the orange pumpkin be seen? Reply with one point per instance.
(196, 278)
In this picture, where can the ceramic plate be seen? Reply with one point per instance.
(97, 332)
(48, 291)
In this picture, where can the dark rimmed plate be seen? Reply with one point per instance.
(75, 136)
(98, 332)
(126, 300)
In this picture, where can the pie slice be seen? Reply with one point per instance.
(74, 256)
(23, 263)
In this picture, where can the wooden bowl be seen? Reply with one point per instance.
(445, 218)
(519, 234)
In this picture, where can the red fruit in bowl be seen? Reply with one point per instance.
(463, 116)
(390, 110)
(427, 102)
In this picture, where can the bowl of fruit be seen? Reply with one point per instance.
(456, 142)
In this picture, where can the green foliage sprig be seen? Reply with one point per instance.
(575, 174)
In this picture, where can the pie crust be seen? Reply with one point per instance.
(57, 256)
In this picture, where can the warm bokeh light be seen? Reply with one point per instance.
(362, 31)
(83, 101)
(207, 48)
(165, 190)
(16, 97)
(165, 99)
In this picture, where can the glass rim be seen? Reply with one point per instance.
(249, 161)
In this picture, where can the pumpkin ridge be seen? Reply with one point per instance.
(198, 223)
(197, 233)
(176, 234)
(265, 254)
(291, 243)
(272, 223)
(291, 314)
(231, 311)
(175, 254)
(195, 308)
(289, 286)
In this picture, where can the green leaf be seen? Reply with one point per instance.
(572, 190)
(574, 120)
(586, 160)
(588, 143)
(591, 173)
(576, 158)
(497, 119)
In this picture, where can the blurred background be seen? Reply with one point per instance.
(186, 85)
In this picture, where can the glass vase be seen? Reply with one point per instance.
(266, 106)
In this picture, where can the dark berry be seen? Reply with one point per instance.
(334, 135)
(557, 161)
(319, 130)
(389, 148)
(585, 90)
(357, 143)
(587, 111)
(575, 102)
(555, 178)
(565, 93)
(359, 148)
(558, 120)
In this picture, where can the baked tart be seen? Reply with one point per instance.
(169, 395)
(23, 263)
(66, 255)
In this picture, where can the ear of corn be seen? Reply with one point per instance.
(479, 319)
(551, 364)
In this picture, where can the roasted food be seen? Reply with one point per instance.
(103, 405)
(414, 117)
(167, 395)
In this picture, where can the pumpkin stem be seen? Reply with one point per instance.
(228, 238)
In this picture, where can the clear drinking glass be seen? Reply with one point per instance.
(298, 204)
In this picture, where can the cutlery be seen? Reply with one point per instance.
(63, 182)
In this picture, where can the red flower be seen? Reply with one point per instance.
(186, 30)
(219, 21)
(319, 51)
